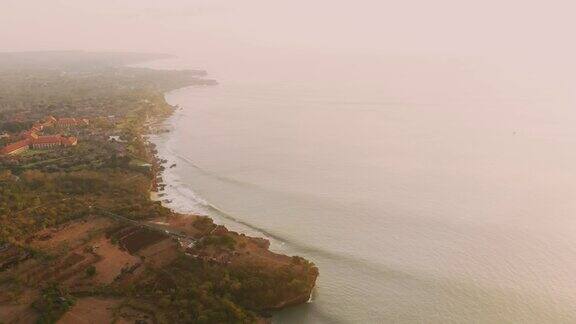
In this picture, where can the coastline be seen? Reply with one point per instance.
(180, 196)
(160, 192)
(93, 235)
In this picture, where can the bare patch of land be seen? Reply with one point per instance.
(91, 310)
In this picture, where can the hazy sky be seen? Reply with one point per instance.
(441, 27)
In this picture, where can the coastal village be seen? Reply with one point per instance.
(102, 232)
(34, 138)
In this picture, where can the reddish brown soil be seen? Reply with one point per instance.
(130, 315)
(160, 253)
(113, 260)
(182, 223)
(20, 311)
(10, 255)
(91, 310)
(77, 245)
(69, 235)
(140, 239)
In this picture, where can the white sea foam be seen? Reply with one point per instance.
(181, 197)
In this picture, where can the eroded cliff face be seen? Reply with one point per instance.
(273, 281)
(170, 270)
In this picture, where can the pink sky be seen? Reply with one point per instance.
(214, 27)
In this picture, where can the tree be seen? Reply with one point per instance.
(91, 271)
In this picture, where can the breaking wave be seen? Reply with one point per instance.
(184, 199)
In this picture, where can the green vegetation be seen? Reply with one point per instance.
(44, 189)
(201, 292)
(90, 271)
(53, 303)
(40, 200)
(223, 241)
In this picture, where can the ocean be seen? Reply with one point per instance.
(426, 191)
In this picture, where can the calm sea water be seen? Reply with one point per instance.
(426, 192)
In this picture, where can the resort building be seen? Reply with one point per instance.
(31, 135)
(37, 127)
(39, 142)
(43, 142)
(71, 122)
(15, 148)
(30, 139)
(50, 121)
(68, 141)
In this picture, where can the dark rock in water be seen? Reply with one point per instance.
(173, 165)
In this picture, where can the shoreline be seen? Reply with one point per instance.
(162, 127)
(157, 128)
(96, 232)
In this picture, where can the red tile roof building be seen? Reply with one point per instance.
(40, 142)
(69, 141)
(29, 135)
(66, 122)
(72, 122)
(30, 139)
(16, 147)
(53, 141)
(46, 141)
